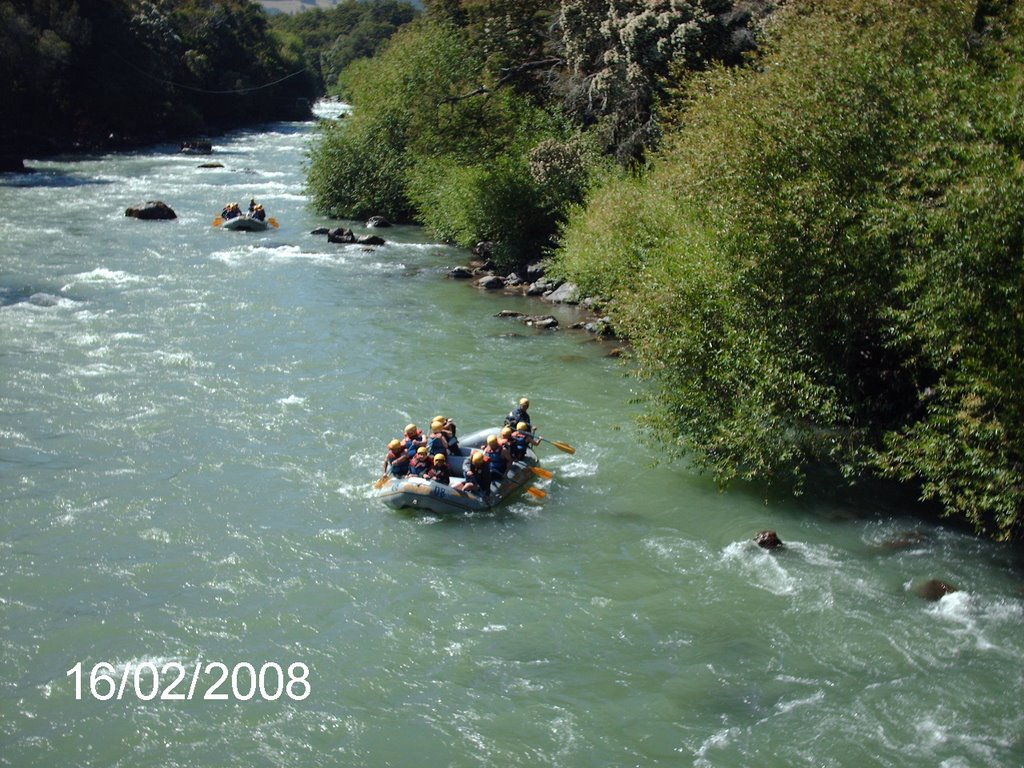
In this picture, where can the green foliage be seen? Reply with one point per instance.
(84, 70)
(441, 147)
(359, 168)
(824, 265)
(328, 40)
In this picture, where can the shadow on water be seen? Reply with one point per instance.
(45, 178)
(501, 517)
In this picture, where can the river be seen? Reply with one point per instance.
(191, 421)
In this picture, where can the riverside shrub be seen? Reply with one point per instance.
(824, 265)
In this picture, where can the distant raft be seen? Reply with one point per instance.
(245, 224)
(419, 493)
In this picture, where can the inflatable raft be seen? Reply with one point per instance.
(419, 493)
(245, 224)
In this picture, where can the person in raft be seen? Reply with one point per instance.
(258, 213)
(397, 460)
(231, 211)
(420, 462)
(499, 457)
(477, 474)
(437, 442)
(439, 473)
(413, 439)
(518, 414)
(448, 430)
(521, 440)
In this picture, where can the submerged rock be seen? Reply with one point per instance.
(370, 240)
(934, 589)
(341, 235)
(152, 210)
(768, 540)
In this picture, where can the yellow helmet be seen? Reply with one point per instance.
(506, 431)
(422, 450)
(477, 458)
(409, 428)
(522, 425)
(440, 459)
(436, 424)
(492, 439)
(442, 419)
(525, 402)
(395, 444)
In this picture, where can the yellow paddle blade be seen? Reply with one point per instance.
(380, 483)
(541, 472)
(218, 221)
(559, 445)
(273, 222)
(537, 493)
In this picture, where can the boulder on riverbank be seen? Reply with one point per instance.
(152, 210)
(377, 221)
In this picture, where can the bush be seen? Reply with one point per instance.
(428, 143)
(824, 265)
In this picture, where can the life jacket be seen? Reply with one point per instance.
(436, 444)
(412, 443)
(440, 474)
(418, 467)
(480, 474)
(518, 445)
(497, 459)
(517, 415)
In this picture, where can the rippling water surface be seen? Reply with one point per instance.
(190, 424)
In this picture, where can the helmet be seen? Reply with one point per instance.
(525, 402)
(492, 439)
(436, 424)
(522, 425)
(395, 444)
(440, 459)
(409, 428)
(422, 450)
(477, 458)
(442, 419)
(506, 431)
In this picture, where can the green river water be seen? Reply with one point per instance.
(191, 421)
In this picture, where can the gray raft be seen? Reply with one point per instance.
(418, 493)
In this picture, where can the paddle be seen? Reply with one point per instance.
(380, 483)
(559, 445)
(541, 472)
(218, 221)
(536, 492)
(273, 222)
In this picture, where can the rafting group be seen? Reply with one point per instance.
(439, 471)
(253, 220)
(427, 456)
